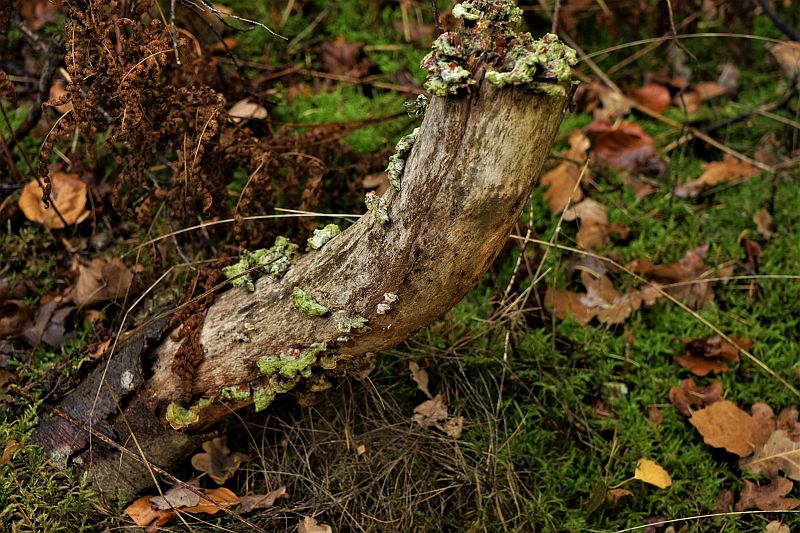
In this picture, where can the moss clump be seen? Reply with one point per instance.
(289, 366)
(321, 236)
(397, 161)
(306, 304)
(274, 261)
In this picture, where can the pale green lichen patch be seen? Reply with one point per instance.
(264, 395)
(530, 61)
(397, 161)
(180, 417)
(486, 36)
(378, 206)
(322, 236)
(345, 323)
(306, 304)
(290, 365)
(274, 261)
(235, 393)
(415, 108)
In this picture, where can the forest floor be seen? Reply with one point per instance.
(629, 363)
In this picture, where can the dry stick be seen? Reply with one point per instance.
(672, 299)
(122, 449)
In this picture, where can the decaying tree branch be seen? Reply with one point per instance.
(418, 250)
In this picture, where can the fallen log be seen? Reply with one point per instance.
(499, 98)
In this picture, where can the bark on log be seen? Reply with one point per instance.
(466, 180)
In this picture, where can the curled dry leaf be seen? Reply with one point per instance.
(768, 497)
(652, 96)
(763, 222)
(729, 169)
(593, 230)
(217, 461)
(219, 498)
(723, 425)
(68, 196)
(614, 496)
(686, 274)
(651, 472)
(102, 281)
(48, 326)
(779, 453)
(420, 377)
(562, 181)
(251, 502)
(142, 513)
(623, 146)
(430, 412)
(175, 498)
(8, 451)
(309, 524)
(245, 109)
(688, 396)
(691, 100)
(787, 54)
(705, 356)
(776, 526)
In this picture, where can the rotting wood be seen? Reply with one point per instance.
(468, 175)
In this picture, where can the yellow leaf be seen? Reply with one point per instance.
(650, 472)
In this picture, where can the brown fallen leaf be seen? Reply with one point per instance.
(593, 231)
(8, 451)
(701, 366)
(251, 502)
(723, 425)
(614, 496)
(690, 268)
(341, 57)
(102, 281)
(787, 54)
(68, 196)
(49, 325)
(453, 426)
(653, 96)
(309, 525)
(764, 423)
(788, 421)
(654, 415)
(143, 514)
(430, 412)
(176, 497)
(221, 497)
(605, 104)
(420, 377)
(763, 222)
(716, 172)
(14, 314)
(623, 146)
(688, 396)
(651, 472)
(217, 461)
(692, 99)
(776, 526)
(705, 356)
(562, 181)
(768, 497)
(779, 453)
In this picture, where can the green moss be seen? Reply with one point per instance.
(306, 304)
(322, 236)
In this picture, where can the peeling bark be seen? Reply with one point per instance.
(466, 180)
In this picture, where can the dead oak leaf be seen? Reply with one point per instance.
(217, 461)
(787, 54)
(688, 396)
(175, 498)
(776, 526)
(768, 497)
(652, 96)
(251, 502)
(309, 524)
(779, 453)
(214, 501)
(622, 146)
(729, 169)
(763, 222)
(685, 274)
(723, 425)
(102, 281)
(593, 231)
(341, 57)
(68, 196)
(8, 451)
(420, 377)
(430, 412)
(692, 99)
(142, 513)
(562, 181)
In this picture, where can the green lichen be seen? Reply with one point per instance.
(289, 366)
(322, 236)
(180, 417)
(319, 384)
(415, 108)
(528, 60)
(264, 395)
(306, 304)
(235, 393)
(378, 206)
(397, 161)
(345, 323)
(274, 261)
(328, 362)
(486, 36)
